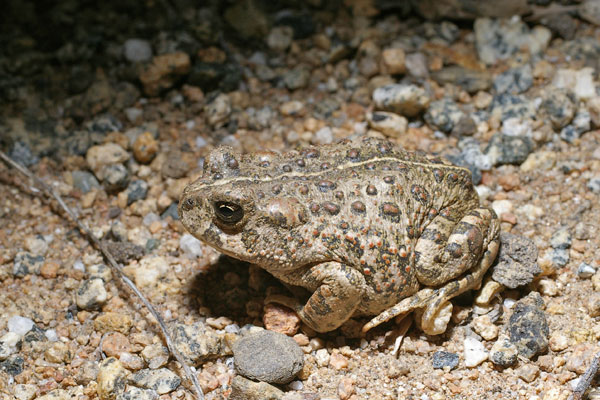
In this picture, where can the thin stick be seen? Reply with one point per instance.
(50, 192)
(586, 379)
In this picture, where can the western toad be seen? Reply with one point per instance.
(367, 227)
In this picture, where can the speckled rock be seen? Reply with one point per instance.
(268, 356)
(527, 326)
(504, 352)
(514, 80)
(443, 359)
(134, 393)
(443, 115)
(404, 99)
(123, 252)
(24, 391)
(516, 261)
(26, 263)
(469, 79)
(594, 184)
(161, 380)
(111, 379)
(114, 177)
(506, 105)
(91, 294)
(197, 343)
(390, 124)
(499, 39)
(585, 271)
(13, 364)
(559, 106)
(245, 389)
(504, 149)
(561, 239)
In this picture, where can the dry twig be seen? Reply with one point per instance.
(50, 192)
(586, 379)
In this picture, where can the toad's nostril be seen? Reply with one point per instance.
(188, 203)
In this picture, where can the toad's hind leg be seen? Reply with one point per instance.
(472, 246)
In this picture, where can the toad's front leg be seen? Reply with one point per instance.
(337, 292)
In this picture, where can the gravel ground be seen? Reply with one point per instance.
(118, 116)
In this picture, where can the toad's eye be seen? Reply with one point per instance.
(228, 213)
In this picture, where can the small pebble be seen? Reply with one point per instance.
(503, 352)
(323, 136)
(268, 356)
(137, 50)
(528, 372)
(338, 361)
(191, 247)
(19, 325)
(137, 190)
(138, 394)
(527, 326)
(474, 352)
(560, 257)
(245, 389)
(296, 78)
(443, 359)
(8, 344)
(585, 271)
(322, 357)
(161, 380)
(561, 239)
(58, 352)
(558, 342)
(112, 321)
(145, 148)
(25, 391)
(593, 304)
(26, 263)
(345, 388)
(115, 343)
(403, 99)
(280, 319)
(483, 326)
(280, 38)
(111, 378)
(91, 294)
(390, 124)
(197, 343)
(393, 61)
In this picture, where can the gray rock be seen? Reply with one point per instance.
(296, 78)
(21, 153)
(580, 124)
(137, 190)
(443, 115)
(443, 359)
(247, 18)
(161, 380)
(137, 50)
(516, 261)
(527, 326)
(559, 106)
(174, 166)
(562, 24)
(504, 149)
(104, 123)
(470, 80)
(498, 39)
(217, 111)
(280, 38)
(84, 181)
(560, 257)
(504, 352)
(465, 127)
(561, 239)
(245, 389)
(115, 177)
(197, 343)
(515, 80)
(26, 263)
(404, 99)
(505, 106)
(594, 184)
(268, 356)
(91, 294)
(416, 65)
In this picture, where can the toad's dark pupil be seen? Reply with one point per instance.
(228, 212)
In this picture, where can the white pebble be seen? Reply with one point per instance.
(191, 246)
(51, 335)
(502, 206)
(475, 353)
(323, 136)
(78, 265)
(296, 385)
(19, 325)
(150, 218)
(322, 357)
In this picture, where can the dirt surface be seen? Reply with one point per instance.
(119, 127)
